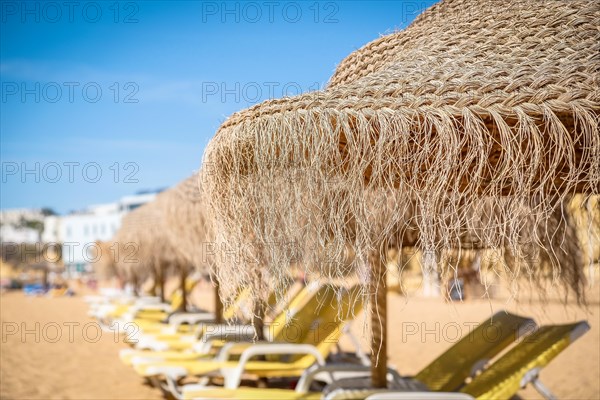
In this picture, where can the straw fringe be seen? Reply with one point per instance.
(477, 121)
(142, 248)
(185, 223)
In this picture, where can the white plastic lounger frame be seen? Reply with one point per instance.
(419, 396)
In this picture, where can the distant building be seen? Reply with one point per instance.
(78, 232)
(12, 234)
(17, 225)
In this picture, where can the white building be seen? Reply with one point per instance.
(78, 232)
(12, 234)
(13, 228)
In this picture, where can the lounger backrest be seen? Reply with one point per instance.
(231, 311)
(289, 312)
(336, 308)
(347, 306)
(448, 372)
(320, 321)
(506, 376)
(295, 328)
(176, 298)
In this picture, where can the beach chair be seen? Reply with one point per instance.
(162, 319)
(179, 347)
(522, 364)
(177, 324)
(516, 369)
(145, 308)
(322, 374)
(447, 372)
(469, 355)
(173, 338)
(301, 311)
(157, 336)
(306, 345)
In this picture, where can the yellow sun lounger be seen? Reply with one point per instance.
(449, 370)
(173, 339)
(326, 373)
(469, 355)
(191, 347)
(312, 344)
(301, 312)
(190, 325)
(520, 366)
(176, 325)
(125, 318)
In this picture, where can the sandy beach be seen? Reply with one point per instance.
(71, 360)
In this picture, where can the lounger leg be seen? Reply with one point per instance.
(543, 389)
(364, 359)
(533, 377)
(171, 388)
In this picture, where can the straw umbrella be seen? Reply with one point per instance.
(144, 246)
(131, 261)
(471, 104)
(189, 232)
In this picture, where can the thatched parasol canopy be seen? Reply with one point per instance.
(143, 247)
(188, 230)
(185, 222)
(475, 106)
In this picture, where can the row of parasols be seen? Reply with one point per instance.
(471, 129)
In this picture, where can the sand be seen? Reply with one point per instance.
(85, 367)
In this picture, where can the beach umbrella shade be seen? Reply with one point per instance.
(189, 232)
(474, 103)
(129, 259)
(144, 248)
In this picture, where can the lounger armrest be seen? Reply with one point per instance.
(150, 307)
(173, 373)
(206, 346)
(334, 372)
(238, 333)
(162, 345)
(233, 376)
(235, 348)
(147, 300)
(177, 320)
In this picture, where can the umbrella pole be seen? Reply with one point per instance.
(258, 320)
(45, 279)
(161, 283)
(134, 283)
(378, 295)
(183, 290)
(218, 304)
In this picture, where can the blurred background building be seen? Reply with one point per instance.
(66, 243)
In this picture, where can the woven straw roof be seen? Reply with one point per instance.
(474, 103)
(185, 222)
(143, 244)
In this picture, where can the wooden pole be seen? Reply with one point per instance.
(378, 292)
(45, 278)
(161, 282)
(183, 277)
(135, 284)
(258, 320)
(155, 284)
(218, 304)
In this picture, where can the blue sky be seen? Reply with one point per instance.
(135, 90)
